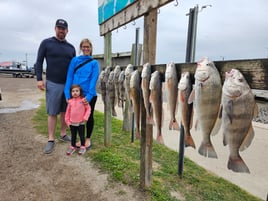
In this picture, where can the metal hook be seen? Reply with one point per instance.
(134, 23)
(125, 27)
(177, 3)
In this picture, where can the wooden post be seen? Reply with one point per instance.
(107, 105)
(149, 44)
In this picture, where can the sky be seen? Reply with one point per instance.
(228, 30)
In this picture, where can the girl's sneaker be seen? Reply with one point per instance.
(71, 150)
(82, 150)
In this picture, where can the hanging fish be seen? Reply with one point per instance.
(156, 100)
(145, 81)
(121, 80)
(110, 91)
(135, 91)
(102, 85)
(117, 71)
(207, 97)
(171, 80)
(185, 109)
(128, 71)
(238, 109)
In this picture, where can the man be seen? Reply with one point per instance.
(58, 53)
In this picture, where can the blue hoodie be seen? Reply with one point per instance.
(86, 76)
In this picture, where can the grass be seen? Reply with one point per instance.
(121, 161)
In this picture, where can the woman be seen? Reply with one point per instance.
(84, 71)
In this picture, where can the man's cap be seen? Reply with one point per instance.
(61, 23)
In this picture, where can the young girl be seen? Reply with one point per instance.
(77, 114)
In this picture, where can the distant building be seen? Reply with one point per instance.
(121, 59)
(12, 65)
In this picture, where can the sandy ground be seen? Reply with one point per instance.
(28, 174)
(255, 156)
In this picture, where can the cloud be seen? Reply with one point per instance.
(230, 29)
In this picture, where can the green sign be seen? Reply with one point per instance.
(108, 8)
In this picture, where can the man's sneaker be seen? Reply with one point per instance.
(49, 147)
(65, 138)
(71, 150)
(82, 150)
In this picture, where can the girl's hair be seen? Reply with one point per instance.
(77, 86)
(85, 40)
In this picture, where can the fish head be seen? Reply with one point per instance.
(170, 69)
(111, 76)
(121, 76)
(129, 70)
(235, 84)
(204, 69)
(146, 70)
(102, 75)
(155, 80)
(117, 71)
(184, 81)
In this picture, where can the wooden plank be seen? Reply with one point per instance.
(107, 104)
(254, 70)
(130, 13)
(149, 38)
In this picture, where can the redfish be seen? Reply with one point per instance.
(238, 109)
(135, 92)
(157, 103)
(185, 109)
(207, 97)
(145, 81)
(171, 81)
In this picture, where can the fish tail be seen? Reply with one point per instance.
(114, 114)
(173, 125)
(138, 134)
(207, 150)
(237, 165)
(189, 142)
(150, 120)
(159, 139)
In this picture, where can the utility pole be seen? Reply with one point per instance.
(190, 57)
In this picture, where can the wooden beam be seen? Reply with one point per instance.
(254, 70)
(149, 43)
(130, 13)
(107, 104)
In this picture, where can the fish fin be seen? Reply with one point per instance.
(248, 139)
(256, 110)
(189, 142)
(207, 150)
(220, 113)
(229, 110)
(174, 125)
(224, 140)
(217, 126)
(237, 165)
(191, 97)
(196, 126)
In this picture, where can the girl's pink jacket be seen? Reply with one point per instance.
(77, 111)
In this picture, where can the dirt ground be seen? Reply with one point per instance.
(28, 174)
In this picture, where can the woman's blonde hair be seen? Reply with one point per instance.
(85, 40)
